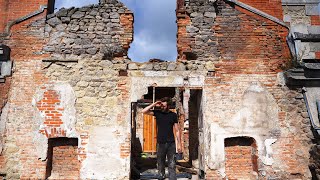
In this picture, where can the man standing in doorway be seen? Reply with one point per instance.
(167, 122)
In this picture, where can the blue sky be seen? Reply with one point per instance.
(154, 27)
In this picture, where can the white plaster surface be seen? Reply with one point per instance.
(300, 27)
(139, 85)
(256, 117)
(268, 160)
(103, 157)
(304, 51)
(68, 100)
(3, 119)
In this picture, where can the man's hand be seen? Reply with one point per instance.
(147, 110)
(157, 103)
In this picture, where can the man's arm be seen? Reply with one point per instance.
(147, 110)
(178, 137)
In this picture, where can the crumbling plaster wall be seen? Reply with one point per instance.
(274, 116)
(27, 39)
(101, 114)
(252, 52)
(252, 114)
(41, 83)
(70, 49)
(87, 47)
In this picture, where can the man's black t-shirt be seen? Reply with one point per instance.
(165, 122)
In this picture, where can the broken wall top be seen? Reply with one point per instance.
(101, 31)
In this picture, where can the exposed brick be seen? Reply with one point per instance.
(317, 55)
(241, 158)
(315, 20)
(63, 160)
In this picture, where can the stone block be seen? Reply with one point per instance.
(54, 21)
(314, 46)
(314, 29)
(62, 13)
(133, 66)
(6, 68)
(312, 10)
(78, 15)
(210, 14)
(172, 66)
(192, 29)
(146, 66)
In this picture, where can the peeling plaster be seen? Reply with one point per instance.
(139, 85)
(68, 99)
(39, 139)
(256, 118)
(3, 120)
(103, 157)
(268, 160)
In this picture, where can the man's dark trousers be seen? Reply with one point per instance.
(166, 149)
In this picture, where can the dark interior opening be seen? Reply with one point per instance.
(187, 105)
(195, 123)
(62, 158)
(311, 60)
(159, 93)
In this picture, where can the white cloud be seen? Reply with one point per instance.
(144, 48)
(154, 27)
(73, 3)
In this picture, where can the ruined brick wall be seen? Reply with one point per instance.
(25, 42)
(67, 84)
(195, 34)
(19, 9)
(241, 158)
(271, 7)
(303, 18)
(252, 54)
(100, 32)
(49, 106)
(244, 35)
(88, 46)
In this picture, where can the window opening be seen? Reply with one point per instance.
(155, 30)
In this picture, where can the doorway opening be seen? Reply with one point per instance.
(63, 160)
(186, 102)
(241, 158)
